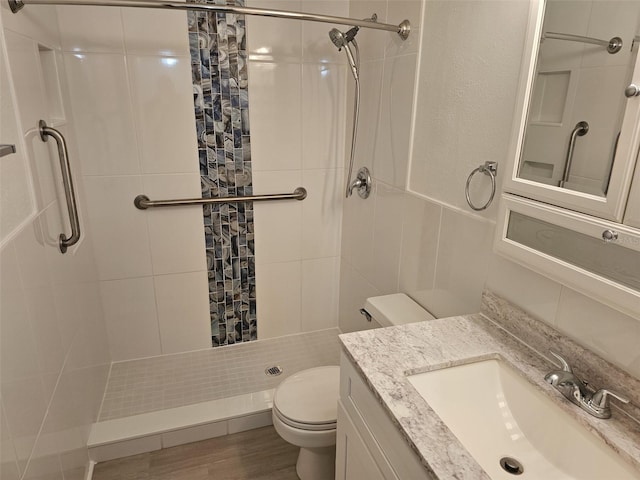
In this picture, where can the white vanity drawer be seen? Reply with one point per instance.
(396, 459)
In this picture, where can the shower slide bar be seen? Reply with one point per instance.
(403, 29)
(142, 202)
(613, 46)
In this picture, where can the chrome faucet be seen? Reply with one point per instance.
(574, 389)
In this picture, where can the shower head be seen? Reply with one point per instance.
(342, 39)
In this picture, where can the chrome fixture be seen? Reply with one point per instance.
(362, 183)
(574, 389)
(632, 91)
(7, 150)
(366, 314)
(403, 29)
(142, 202)
(511, 466)
(609, 235)
(341, 40)
(67, 181)
(580, 130)
(489, 168)
(613, 46)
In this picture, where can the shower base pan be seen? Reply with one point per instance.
(164, 401)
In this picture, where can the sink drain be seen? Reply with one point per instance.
(511, 465)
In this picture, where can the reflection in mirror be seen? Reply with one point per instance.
(578, 98)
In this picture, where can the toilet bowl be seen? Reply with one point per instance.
(305, 405)
(305, 408)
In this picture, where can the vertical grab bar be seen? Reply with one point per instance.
(580, 130)
(67, 181)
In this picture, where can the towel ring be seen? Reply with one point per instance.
(489, 168)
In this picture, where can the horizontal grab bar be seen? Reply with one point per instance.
(143, 202)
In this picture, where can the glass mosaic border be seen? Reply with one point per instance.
(221, 104)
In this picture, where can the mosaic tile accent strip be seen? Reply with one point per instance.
(168, 381)
(221, 102)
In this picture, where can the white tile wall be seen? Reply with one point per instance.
(101, 103)
(122, 238)
(278, 295)
(53, 353)
(163, 108)
(534, 293)
(132, 94)
(91, 29)
(155, 32)
(15, 180)
(278, 235)
(275, 115)
(176, 236)
(324, 113)
(608, 333)
(446, 254)
(387, 229)
(183, 311)
(131, 317)
(320, 289)
(322, 213)
(394, 127)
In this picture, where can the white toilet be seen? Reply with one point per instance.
(305, 405)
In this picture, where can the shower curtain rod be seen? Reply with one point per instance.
(403, 29)
(613, 46)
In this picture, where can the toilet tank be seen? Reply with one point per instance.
(395, 309)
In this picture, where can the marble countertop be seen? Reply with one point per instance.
(384, 357)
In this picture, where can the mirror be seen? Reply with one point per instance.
(585, 62)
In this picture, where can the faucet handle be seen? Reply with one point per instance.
(601, 398)
(565, 365)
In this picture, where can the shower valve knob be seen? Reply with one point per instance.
(632, 91)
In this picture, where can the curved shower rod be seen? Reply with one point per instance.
(403, 29)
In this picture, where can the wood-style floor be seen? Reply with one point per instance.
(256, 454)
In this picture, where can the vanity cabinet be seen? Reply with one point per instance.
(368, 445)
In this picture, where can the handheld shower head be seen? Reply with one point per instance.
(337, 37)
(342, 39)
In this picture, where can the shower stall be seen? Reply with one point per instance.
(155, 107)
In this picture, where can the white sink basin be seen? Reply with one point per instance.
(495, 413)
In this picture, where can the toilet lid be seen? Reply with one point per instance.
(310, 396)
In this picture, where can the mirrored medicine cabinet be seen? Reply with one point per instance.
(571, 202)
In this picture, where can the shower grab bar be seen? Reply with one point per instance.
(403, 29)
(579, 130)
(142, 202)
(7, 149)
(613, 46)
(63, 153)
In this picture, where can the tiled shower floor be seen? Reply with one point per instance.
(158, 383)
